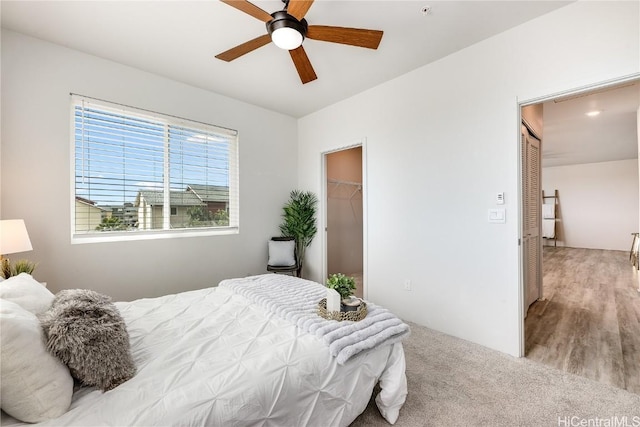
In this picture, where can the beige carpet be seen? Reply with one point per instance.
(453, 382)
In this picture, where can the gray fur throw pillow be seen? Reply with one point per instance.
(85, 330)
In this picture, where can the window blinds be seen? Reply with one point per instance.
(136, 170)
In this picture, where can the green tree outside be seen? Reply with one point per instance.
(111, 224)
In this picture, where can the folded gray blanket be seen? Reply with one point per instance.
(296, 300)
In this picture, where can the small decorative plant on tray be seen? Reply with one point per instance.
(348, 306)
(342, 284)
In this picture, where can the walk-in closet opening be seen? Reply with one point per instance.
(344, 216)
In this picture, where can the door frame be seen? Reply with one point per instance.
(323, 211)
(602, 85)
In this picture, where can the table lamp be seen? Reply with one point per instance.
(13, 239)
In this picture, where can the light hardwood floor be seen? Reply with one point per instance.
(588, 322)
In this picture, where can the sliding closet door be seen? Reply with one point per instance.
(531, 240)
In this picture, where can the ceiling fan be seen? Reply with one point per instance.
(287, 29)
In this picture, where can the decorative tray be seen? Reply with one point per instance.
(355, 315)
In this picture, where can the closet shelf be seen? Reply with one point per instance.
(337, 183)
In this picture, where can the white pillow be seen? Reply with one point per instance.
(27, 292)
(35, 385)
(282, 253)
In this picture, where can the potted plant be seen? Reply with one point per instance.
(299, 222)
(345, 286)
(20, 266)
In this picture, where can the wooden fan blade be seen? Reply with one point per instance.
(303, 65)
(249, 9)
(351, 36)
(298, 8)
(244, 48)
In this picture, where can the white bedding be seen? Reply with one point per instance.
(210, 357)
(296, 300)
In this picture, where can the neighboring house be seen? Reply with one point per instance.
(127, 213)
(150, 205)
(88, 215)
(216, 197)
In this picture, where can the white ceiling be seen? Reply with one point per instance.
(571, 137)
(179, 39)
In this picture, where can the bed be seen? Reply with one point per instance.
(224, 357)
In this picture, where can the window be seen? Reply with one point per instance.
(139, 174)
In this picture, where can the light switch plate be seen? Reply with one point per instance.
(497, 216)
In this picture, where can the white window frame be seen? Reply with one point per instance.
(111, 236)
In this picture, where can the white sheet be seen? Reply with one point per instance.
(213, 358)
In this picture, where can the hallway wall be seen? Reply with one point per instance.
(598, 203)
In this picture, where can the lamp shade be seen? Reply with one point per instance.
(13, 237)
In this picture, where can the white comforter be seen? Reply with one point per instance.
(212, 358)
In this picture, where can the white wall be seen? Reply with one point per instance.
(37, 78)
(441, 142)
(598, 203)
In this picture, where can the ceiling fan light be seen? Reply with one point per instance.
(286, 38)
(286, 31)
